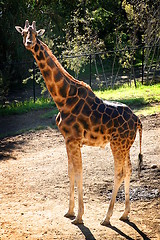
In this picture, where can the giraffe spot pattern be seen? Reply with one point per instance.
(86, 111)
(126, 116)
(97, 100)
(46, 54)
(101, 108)
(91, 94)
(93, 116)
(36, 48)
(65, 130)
(93, 137)
(41, 65)
(105, 118)
(46, 73)
(63, 89)
(70, 120)
(82, 92)
(60, 103)
(84, 122)
(77, 108)
(94, 106)
(57, 76)
(40, 57)
(77, 129)
(72, 90)
(70, 102)
(50, 62)
(52, 89)
(114, 113)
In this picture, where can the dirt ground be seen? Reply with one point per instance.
(34, 186)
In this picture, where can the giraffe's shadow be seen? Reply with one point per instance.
(86, 232)
(134, 226)
(89, 236)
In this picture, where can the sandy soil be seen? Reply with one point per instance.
(34, 188)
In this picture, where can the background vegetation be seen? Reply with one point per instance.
(76, 27)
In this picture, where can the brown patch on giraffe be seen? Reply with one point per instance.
(106, 118)
(93, 137)
(95, 118)
(84, 122)
(94, 106)
(77, 129)
(36, 48)
(101, 108)
(46, 53)
(47, 74)
(57, 76)
(91, 94)
(41, 65)
(60, 103)
(52, 89)
(70, 102)
(82, 92)
(65, 130)
(70, 120)
(73, 90)
(78, 107)
(50, 63)
(40, 57)
(63, 89)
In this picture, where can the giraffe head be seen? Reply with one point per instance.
(29, 34)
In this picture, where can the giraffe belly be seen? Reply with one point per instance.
(95, 139)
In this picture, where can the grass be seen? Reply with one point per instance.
(147, 110)
(26, 106)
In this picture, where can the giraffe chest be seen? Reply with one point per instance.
(81, 127)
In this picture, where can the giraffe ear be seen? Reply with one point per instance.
(40, 32)
(19, 29)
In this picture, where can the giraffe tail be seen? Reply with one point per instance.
(140, 156)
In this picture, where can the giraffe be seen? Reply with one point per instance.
(84, 119)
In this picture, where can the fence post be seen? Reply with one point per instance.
(34, 90)
(90, 70)
(142, 64)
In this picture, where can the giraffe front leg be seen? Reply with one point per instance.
(70, 212)
(78, 219)
(75, 174)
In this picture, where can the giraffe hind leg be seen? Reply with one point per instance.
(119, 174)
(128, 171)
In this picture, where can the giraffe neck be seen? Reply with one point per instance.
(58, 81)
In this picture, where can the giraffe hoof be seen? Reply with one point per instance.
(69, 215)
(124, 218)
(77, 222)
(105, 223)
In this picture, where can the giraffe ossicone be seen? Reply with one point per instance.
(84, 119)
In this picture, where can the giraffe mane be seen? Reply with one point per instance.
(65, 73)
